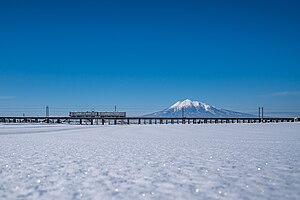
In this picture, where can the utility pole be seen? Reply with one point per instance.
(47, 111)
(47, 114)
(258, 112)
(262, 112)
(182, 112)
(115, 108)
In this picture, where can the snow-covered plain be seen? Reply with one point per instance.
(217, 161)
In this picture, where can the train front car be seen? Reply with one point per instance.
(111, 114)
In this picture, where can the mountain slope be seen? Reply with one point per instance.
(188, 108)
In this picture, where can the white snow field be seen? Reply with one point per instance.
(213, 161)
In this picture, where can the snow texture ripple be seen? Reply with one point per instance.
(225, 161)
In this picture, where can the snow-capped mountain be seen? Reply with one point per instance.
(188, 108)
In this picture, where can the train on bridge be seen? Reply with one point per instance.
(94, 114)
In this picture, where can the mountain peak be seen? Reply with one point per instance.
(187, 103)
(195, 109)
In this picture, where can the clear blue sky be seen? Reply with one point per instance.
(145, 55)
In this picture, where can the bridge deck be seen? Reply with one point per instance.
(140, 120)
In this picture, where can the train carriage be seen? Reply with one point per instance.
(94, 114)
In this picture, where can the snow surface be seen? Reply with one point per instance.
(213, 161)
